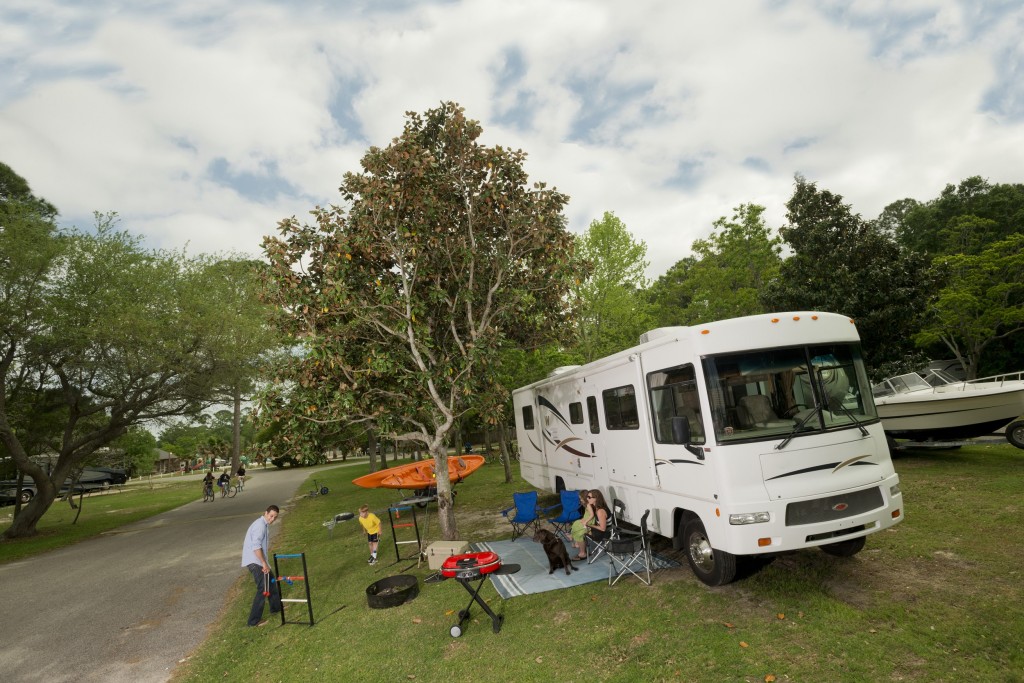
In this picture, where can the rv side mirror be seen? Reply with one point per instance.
(680, 430)
(681, 435)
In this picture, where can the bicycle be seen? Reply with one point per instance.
(318, 490)
(227, 490)
(208, 493)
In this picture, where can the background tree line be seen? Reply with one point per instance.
(101, 336)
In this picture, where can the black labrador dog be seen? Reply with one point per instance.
(558, 556)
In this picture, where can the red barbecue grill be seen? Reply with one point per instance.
(471, 567)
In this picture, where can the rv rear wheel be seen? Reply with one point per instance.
(844, 548)
(713, 567)
(1015, 433)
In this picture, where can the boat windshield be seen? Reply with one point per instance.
(938, 378)
(783, 393)
(901, 384)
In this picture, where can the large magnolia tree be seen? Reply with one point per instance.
(401, 299)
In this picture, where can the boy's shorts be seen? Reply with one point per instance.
(373, 538)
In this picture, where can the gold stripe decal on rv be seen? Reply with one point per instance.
(850, 462)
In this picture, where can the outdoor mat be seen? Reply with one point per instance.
(533, 575)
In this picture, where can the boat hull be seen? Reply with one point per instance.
(951, 412)
(416, 476)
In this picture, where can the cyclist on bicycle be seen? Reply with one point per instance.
(208, 483)
(241, 476)
(223, 480)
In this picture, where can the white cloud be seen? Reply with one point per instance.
(668, 114)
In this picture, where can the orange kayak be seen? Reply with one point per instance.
(420, 475)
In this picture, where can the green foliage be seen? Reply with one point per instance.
(670, 294)
(843, 264)
(97, 334)
(612, 310)
(733, 265)
(136, 450)
(936, 227)
(967, 220)
(400, 303)
(983, 301)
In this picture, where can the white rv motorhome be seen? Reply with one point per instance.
(750, 436)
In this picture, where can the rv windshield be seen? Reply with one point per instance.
(779, 393)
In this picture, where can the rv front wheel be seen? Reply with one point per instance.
(844, 548)
(713, 567)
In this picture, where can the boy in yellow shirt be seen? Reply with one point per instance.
(371, 524)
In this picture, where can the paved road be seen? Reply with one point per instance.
(131, 604)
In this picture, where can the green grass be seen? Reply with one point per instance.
(936, 598)
(99, 513)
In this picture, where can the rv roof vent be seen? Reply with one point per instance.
(562, 369)
(657, 333)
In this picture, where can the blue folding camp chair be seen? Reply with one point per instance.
(523, 514)
(569, 512)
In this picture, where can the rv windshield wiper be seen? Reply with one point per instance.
(846, 411)
(799, 425)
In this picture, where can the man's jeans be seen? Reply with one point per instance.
(263, 582)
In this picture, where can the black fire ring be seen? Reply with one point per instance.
(392, 591)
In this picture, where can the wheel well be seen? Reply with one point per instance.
(680, 517)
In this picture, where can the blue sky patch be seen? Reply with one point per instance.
(259, 187)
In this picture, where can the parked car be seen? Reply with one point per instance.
(9, 491)
(92, 478)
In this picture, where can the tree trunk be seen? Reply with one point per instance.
(445, 508)
(24, 525)
(506, 458)
(81, 498)
(371, 446)
(17, 496)
(236, 432)
(487, 442)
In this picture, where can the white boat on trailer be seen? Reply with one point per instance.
(932, 407)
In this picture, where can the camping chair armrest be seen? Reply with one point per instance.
(507, 510)
(544, 511)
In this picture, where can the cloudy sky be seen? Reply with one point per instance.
(204, 122)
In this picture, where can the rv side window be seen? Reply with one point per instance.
(620, 410)
(527, 417)
(576, 413)
(674, 394)
(595, 424)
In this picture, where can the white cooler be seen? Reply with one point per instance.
(439, 551)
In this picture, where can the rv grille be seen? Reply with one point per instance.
(824, 509)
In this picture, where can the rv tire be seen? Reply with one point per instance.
(1015, 433)
(844, 548)
(713, 567)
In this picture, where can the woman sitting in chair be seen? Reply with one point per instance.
(595, 522)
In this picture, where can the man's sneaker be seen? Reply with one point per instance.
(373, 560)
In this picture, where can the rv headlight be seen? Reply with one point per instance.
(894, 490)
(750, 518)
